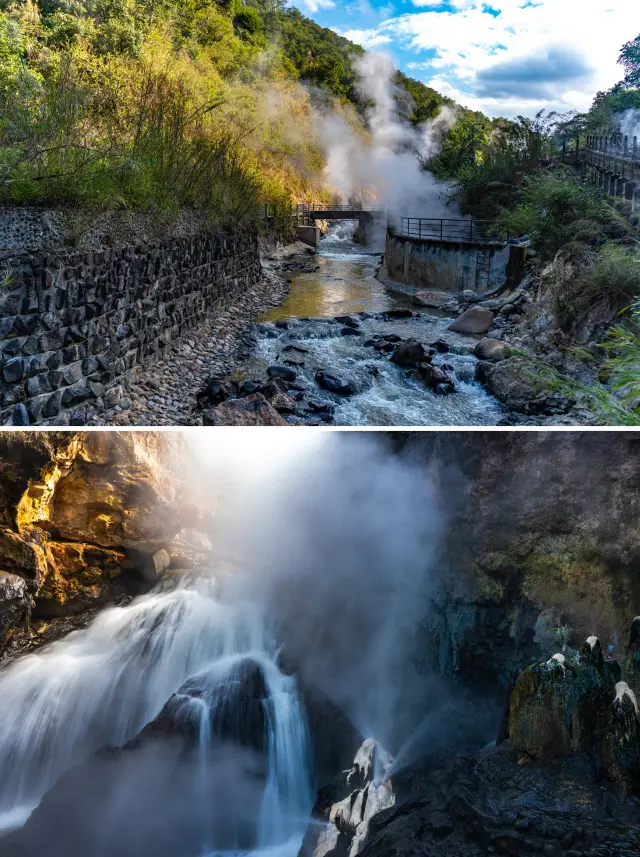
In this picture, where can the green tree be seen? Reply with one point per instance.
(629, 59)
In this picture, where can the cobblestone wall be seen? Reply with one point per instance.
(75, 326)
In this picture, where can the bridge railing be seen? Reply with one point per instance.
(303, 207)
(443, 229)
(620, 145)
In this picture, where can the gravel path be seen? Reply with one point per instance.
(165, 394)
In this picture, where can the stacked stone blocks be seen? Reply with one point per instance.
(76, 325)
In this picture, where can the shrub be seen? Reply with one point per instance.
(610, 278)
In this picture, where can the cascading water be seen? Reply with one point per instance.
(100, 686)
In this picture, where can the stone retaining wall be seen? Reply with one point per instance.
(75, 327)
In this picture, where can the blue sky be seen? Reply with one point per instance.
(505, 57)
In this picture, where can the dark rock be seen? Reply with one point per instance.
(397, 313)
(267, 330)
(248, 388)
(409, 354)
(320, 407)
(434, 377)
(14, 599)
(295, 348)
(74, 395)
(349, 331)
(441, 346)
(14, 370)
(20, 416)
(280, 371)
(335, 384)
(253, 410)
(213, 394)
(514, 382)
(483, 373)
(347, 320)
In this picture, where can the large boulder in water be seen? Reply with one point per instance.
(409, 354)
(343, 810)
(335, 384)
(229, 708)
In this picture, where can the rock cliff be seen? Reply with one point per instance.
(86, 518)
(540, 545)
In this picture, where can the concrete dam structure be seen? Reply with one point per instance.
(452, 255)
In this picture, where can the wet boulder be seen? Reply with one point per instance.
(437, 378)
(474, 320)
(409, 354)
(348, 321)
(228, 706)
(252, 410)
(514, 383)
(278, 370)
(396, 313)
(335, 384)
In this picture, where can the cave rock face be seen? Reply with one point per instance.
(343, 810)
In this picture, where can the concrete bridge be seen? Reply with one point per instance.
(307, 213)
(326, 211)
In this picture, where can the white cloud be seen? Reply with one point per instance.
(474, 50)
(313, 6)
(367, 38)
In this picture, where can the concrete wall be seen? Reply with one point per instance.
(447, 265)
(309, 235)
(76, 326)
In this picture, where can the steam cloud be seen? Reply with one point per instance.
(630, 124)
(388, 169)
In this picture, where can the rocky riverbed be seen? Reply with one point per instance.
(418, 359)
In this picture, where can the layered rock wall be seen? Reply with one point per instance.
(85, 518)
(540, 545)
(76, 326)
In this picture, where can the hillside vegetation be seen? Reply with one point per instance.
(157, 105)
(587, 242)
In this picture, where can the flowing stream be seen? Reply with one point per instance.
(99, 687)
(346, 284)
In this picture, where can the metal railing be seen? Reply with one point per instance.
(330, 206)
(620, 145)
(443, 229)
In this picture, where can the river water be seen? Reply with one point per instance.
(345, 284)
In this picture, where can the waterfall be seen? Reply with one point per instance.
(101, 685)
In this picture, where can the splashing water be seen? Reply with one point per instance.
(100, 686)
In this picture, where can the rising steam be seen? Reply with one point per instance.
(387, 168)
